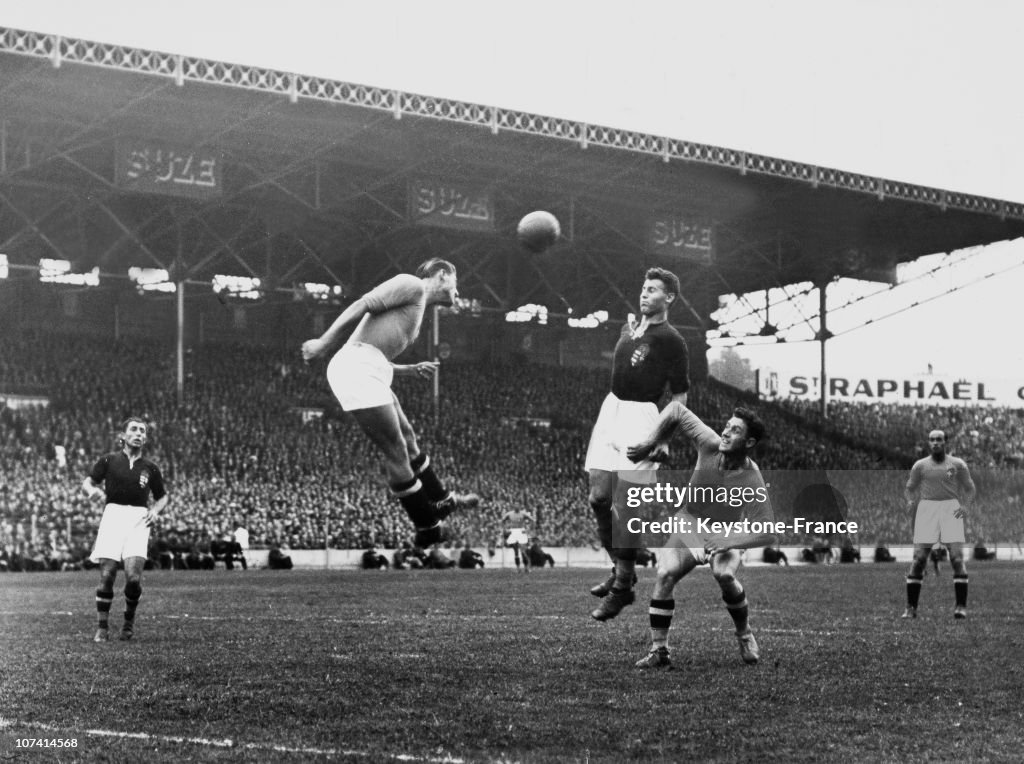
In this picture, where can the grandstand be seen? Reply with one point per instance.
(238, 449)
(201, 218)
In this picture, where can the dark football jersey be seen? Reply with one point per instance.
(128, 483)
(641, 367)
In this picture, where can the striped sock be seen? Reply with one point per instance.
(104, 599)
(660, 613)
(736, 604)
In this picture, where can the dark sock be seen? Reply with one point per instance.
(604, 518)
(913, 590)
(625, 571)
(414, 499)
(424, 470)
(960, 590)
(132, 593)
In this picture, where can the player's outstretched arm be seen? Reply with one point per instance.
(655, 446)
(648, 450)
(423, 369)
(92, 489)
(316, 347)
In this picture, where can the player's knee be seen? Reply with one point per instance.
(725, 578)
(600, 501)
(669, 571)
(398, 470)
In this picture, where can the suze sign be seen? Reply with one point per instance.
(682, 236)
(162, 168)
(450, 204)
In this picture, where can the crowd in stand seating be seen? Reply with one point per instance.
(237, 450)
(985, 436)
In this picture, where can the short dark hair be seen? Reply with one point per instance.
(668, 278)
(129, 420)
(429, 267)
(124, 428)
(755, 427)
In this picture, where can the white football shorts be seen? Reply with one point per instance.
(123, 533)
(935, 523)
(360, 377)
(694, 543)
(516, 536)
(621, 424)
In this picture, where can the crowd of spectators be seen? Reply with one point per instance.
(256, 440)
(987, 437)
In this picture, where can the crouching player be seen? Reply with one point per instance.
(723, 461)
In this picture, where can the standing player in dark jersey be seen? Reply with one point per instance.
(649, 355)
(124, 480)
(940, 491)
(724, 470)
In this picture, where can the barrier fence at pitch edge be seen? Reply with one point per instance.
(579, 557)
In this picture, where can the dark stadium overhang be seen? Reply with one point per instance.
(315, 177)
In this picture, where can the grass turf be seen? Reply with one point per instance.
(498, 666)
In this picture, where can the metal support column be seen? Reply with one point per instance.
(823, 335)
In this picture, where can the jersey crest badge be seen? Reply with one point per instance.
(639, 355)
(143, 478)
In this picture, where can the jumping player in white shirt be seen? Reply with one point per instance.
(360, 374)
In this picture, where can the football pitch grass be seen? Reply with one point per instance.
(491, 665)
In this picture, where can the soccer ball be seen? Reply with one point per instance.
(538, 230)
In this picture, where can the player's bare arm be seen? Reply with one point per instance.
(315, 348)
(912, 489)
(722, 543)
(93, 490)
(153, 513)
(423, 369)
(969, 492)
(655, 447)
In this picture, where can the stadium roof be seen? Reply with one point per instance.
(114, 157)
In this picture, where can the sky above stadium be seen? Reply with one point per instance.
(923, 91)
